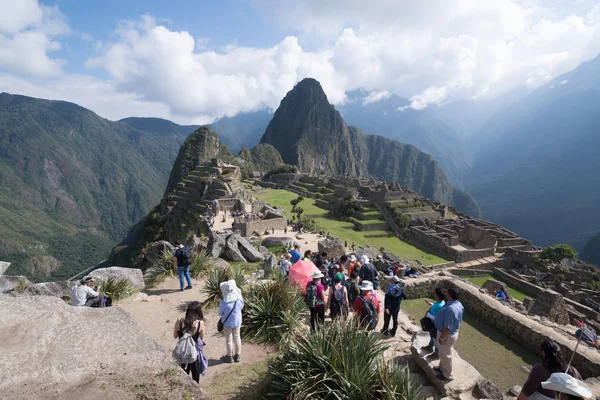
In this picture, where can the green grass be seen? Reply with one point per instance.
(481, 279)
(494, 355)
(340, 229)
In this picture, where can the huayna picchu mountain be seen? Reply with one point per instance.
(310, 133)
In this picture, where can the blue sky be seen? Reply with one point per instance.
(194, 61)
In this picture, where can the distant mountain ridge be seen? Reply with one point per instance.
(310, 133)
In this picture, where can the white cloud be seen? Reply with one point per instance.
(375, 96)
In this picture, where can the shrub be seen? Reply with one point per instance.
(216, 277)
(272, 311)
(117, 288)
(22, 284)
(339, 361)
(201, 265)
(558, 252)
(160, 270)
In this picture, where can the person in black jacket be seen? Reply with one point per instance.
(368, 272)
(393, 298)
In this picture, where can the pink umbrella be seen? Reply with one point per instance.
(301, 273)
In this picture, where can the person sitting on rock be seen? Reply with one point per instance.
(501, 295)
(84, 295)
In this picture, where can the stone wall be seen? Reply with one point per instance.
(520, 257)
(246, 228)
(522, 285)
(469, 255)
(551, 305)
(519, 327)
(476, 237)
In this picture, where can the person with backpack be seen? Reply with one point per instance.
(353, 265)
(184, 258)
(315, 300)
(366, 307)
(337, 300)
(323, 264)
(391, 305)
(86, 294)
(352, 289)
(368, 272)
(230, 311)
(285, 264)
(189, 350)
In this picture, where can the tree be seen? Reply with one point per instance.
(347, 207)
(558, 252)
(297, 211)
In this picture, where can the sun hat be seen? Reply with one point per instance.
(230, 291)
(317, 274)
(565, 383)
(364, 259)
(366, 285)
(379, 257)
(353, 258)
(395, 279)
(86, 280)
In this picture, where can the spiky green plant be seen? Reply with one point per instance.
(272, 311)
(160, 270)
(117, 288)
(339, 361)
(202, 264)
(22, 284)
(217, 276)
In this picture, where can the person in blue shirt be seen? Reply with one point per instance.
(447, 321)
(230, 311)
(295, 253)
(501, 295)
(440, 301)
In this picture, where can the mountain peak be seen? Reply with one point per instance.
(308, 90)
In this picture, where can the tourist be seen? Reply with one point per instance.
(193, 324)
(368, 272)
(315, 300)
(391, 306)
(411, 272)
(230, 311)
(337, 299)
(345, 244)
(440, 301)
(285, 264)
(352, 265)
(501, 295)
(295, 253)
(366, 307)
(447, 322)
(184, 258)
(566, 387)
(352, 288)
(353, 246)
(84, 295)
(307, 255)
(323, 264)
(552, 361)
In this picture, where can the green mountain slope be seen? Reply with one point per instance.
(591, 251)
(310, 133)
(71, 184)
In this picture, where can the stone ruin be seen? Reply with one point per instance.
(551, 305)
(232, 247)
(334, 247)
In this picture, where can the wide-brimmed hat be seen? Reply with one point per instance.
(565, 383)
(353, 258)
(317, 275)
(230, 291)
(366, 285)
(364, 259)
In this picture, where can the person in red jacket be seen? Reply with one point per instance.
(366, 297)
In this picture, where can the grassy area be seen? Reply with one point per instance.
(243, 381)
(340, 229)
(480, 280)
(494, 355)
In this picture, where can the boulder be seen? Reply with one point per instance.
(216, 245)
(250, 252)
(270, 263)
(515, 390)
(334, 247)
(220, 263)
(8, 283)
(56, 289)
(391, 257)
(3, 267)
(487, 390)
(369, 251)
(232, 251)
(157, 249)
(199, 243)
(263, 250)
(133, 275)
(275, 241)
(268, 209)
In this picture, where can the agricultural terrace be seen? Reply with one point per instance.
(344, 229)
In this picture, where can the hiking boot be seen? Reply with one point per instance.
(188, 287)
(385, 333)
(237, 358)
(428, 348)
(227, 359)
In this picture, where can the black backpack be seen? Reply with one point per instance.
(368, 316)
(337, 299)
(187, 256)
(353, 290)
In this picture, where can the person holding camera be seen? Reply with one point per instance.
(86, 294)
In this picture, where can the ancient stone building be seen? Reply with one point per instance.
(551, 305)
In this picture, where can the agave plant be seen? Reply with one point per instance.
(272, 312)
(201, 265)
(160, 270)
(339, 361)
(117, 288)
(217, 276)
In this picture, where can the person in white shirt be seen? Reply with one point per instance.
(84, 295)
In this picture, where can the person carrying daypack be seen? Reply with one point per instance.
(189, 332)
(366, 307)
(393, 298)
(315, 300)
(337, 300)
(368, 272)
(184, 258)
(352, 287)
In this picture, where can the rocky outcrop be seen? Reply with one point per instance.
(8, 283)
(233, 247)
(275, 241)
(551, 305)
(134, 276)
(250, 252)
(216, 244)
(334, 247)
(220, 263)
(3, 267)
(232, 251)
(270, 263)
(75, 344)
(56, 289)
(157, 249)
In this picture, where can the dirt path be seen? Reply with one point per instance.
(158, 315)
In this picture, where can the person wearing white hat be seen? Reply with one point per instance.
(366, 307)
(368, 272)
(567, 387)
(315, 300)
(230, 311)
